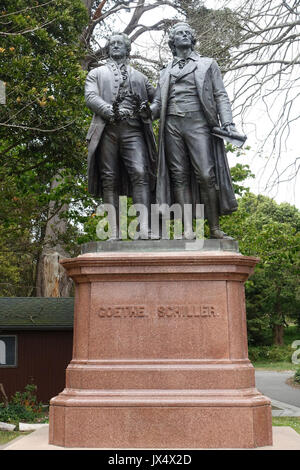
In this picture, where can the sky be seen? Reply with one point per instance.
(256, 124)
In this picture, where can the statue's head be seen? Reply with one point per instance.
(181, 35)
(118, 46)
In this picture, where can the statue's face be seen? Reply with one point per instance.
(117, 47)
(183, 37)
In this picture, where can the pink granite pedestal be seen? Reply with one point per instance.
(160, 355)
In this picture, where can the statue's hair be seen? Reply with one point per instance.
(172, 32)
(126, 39)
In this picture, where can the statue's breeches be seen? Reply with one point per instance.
(188, 144)
(124, 141)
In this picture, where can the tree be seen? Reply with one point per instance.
(18, 238)
(257, 46)
(218, 30)
(46, 48)
(104, 14)
(272, 232)
(43, 123)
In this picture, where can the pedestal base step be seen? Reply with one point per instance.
(160, 419)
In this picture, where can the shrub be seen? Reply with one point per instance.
(270, 353)
(297, 376)
(22, 407)
(28, 399)
(14, 413)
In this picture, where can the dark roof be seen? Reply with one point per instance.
(36, 312)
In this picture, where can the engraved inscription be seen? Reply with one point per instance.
(121, 311)
(186, 311)
(160, 311)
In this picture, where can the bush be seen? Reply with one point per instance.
(291, 333)
(297, 376)
(270, 353)
(22, 407)
(16, 413)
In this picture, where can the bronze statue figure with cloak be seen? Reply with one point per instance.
(122, 155)
(191, 101)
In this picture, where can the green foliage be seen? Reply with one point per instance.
(270, 353)
(7, 436)
(217, 30)
(42, 129)
(15, 413)
(297, 376)
(239, 172)
(21, 218)
(23, 406)
(291, 334)
(91, 221)
(27, 399)
(287, 421)
(271, 232)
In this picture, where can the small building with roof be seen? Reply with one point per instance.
(36, 337)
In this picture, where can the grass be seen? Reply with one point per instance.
(287, 421)
(284, 353)
(6, 436)
(279, 366)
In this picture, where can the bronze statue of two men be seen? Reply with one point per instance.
(191, 165)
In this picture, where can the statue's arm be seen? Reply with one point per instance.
(150, 90)
(93, 99)
(221, 96)
(155, 106)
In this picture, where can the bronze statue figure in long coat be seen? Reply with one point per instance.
(122, 155)
(190, 100)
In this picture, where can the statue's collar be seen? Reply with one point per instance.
(193, 56)
(115, 64)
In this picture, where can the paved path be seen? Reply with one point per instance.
(284, 438)
(272, 384)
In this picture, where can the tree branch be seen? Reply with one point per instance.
(27, 128)
(160, 25)
(262, 63)
(2, 33)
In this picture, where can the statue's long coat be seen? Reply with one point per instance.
(101, 89)
(216, 107)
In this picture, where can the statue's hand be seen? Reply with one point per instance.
(108, 113)
(144, 115)
(124, 113)
(230, 128)
(145, 111)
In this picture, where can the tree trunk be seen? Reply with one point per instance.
(5, 399)
(278, 328)
(51, 279)
(278, 335)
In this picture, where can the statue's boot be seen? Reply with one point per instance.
(110, 196)
(141, 196)
(213, 215)
(183, 196)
